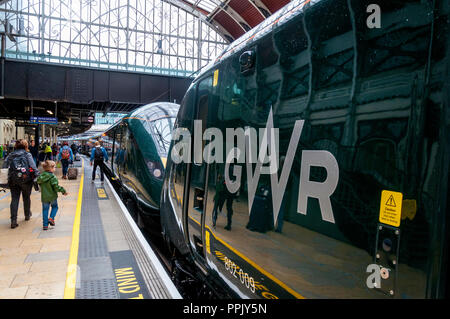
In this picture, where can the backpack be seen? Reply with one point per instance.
(19, 171)
(98, 155)
(65, 154)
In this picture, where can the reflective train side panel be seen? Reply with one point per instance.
(137, 148)
(339, 184)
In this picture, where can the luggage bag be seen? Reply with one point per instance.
(72, 172)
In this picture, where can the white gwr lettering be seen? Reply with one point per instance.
(267, 162)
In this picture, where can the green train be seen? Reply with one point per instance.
(311, 159)
(137, 147)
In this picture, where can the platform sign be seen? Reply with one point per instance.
(129, 280)
(391, 208)
(43, 120)
(101, 193)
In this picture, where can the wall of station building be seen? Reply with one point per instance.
(8, 132)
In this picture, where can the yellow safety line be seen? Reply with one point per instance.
(255, 265)
(71, 279)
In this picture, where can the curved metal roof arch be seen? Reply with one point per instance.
(231, 18)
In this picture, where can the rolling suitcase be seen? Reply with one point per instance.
(72, 173)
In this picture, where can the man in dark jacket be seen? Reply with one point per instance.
(74, 148)
(98, 155)
(22, 171)
(34, 150)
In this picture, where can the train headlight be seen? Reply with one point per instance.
(155, 169)
(157, 173)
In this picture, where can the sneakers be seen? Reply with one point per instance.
(51, 221)
(45, 228)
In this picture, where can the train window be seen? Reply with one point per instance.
(119, 151)
(161, 130)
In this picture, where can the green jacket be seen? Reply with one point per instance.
(49, 187)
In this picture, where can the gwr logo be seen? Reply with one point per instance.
(267, 162)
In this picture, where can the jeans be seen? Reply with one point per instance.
(99, 164)
(46, 208)
(65, 166)
(16, 190)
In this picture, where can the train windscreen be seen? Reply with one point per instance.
(161, 131)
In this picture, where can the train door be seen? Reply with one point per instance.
(118, 151)
(178, 168)
(199, 170)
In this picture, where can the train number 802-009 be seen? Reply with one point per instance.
(237, 272)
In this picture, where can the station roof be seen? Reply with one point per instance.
(233, 18)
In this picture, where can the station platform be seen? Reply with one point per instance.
(95, 250)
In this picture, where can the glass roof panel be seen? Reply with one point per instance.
(208, 5)
(151, 36)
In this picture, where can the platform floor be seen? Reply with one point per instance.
(95, 251)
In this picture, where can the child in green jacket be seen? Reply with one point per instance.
(49, 193)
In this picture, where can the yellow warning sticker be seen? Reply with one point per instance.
(391, 208)
(216, 77)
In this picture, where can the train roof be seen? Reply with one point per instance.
(281, 16)
(149, 112)
(154, 111)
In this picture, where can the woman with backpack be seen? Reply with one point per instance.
(65, 155)
(22, 171)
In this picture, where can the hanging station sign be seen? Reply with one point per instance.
(43, 120)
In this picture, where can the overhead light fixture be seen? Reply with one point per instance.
(49, 112)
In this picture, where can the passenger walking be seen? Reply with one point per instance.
(65, 155)
(74, 149)
(219, 198)
(48, 152)
(34, 150)
(49, 193)
(98, 155)
(55, 150)
(223, 195)
(22, 171)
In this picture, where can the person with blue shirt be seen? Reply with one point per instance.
(98, 155)
(65, 155)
